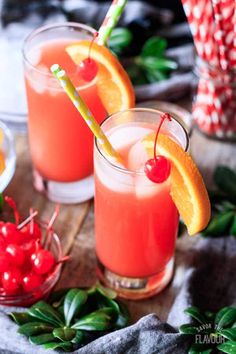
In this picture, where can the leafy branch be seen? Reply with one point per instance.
(223, 201)
(150, 65)
(211, 332)
(72, 318)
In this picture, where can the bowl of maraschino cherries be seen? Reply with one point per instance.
(30, 256)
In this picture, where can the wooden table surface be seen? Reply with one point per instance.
(75, 224)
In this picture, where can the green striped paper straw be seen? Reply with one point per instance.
(110, 21)
(81, 106)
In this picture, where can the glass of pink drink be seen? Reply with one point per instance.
(136, 221)
(61, 144)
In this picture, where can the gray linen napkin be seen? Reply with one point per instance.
(209, 283)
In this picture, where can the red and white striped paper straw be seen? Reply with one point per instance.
(110, 20)
(213, 26)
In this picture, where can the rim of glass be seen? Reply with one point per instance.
(140, 109)
(10, 157)
(49, 27)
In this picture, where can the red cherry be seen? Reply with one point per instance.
(30, 247)
(2, 243)
(2, 223)
(11, 280)
(4, 262)
(32, 281)
(17, 255)
(43, 262)
(158, 169)
(88, 69)
(10, 233)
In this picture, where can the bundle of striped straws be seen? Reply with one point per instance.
(213, 26)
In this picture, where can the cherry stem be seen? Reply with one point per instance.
(48, 236)
(31, 221)
(95, 35)
(12, 204)
(64, 259)
(53, 218)
(26, 221)
(163, 116)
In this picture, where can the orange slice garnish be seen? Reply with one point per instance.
(187, 189)
(113, 84)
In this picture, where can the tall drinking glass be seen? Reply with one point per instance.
(136, 221)
(61, 144)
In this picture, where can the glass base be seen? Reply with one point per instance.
(136, 288)
(65, 192)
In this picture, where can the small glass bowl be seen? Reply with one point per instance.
(8, 149)
(43, 291)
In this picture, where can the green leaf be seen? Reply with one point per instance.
(228, 347)
(229, 333)
(78, 337)
(200, 349)
(219, 224)
(120, 39)
(34, 328)
(73, 303)
(233, 227)
(57, 297)
(123, 317)
(155, 75)
(21, 317)
(153, 63)
(66, 346)
(64, 334)
(43, 311)
(221, 313)
(225, 178)
(41, 339)
(154, 46)
(188, 329)
(109, 293)
(226, 317)
(137, 75)
(100, 320)
(104, 301)
(210, 315)
(195, 313)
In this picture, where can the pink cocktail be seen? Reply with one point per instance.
(61, 144)
(136, 219)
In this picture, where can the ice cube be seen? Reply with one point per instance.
(113, 179)
(137, 157)
(34, 56)
(144, 188)
(127, 135)
(38, 81)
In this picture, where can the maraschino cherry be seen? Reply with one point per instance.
(158, 168)
(88, 68)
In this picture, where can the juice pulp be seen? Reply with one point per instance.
(136, 220)
(61, 144)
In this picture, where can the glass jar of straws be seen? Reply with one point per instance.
(214, 105)
(213, 26)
